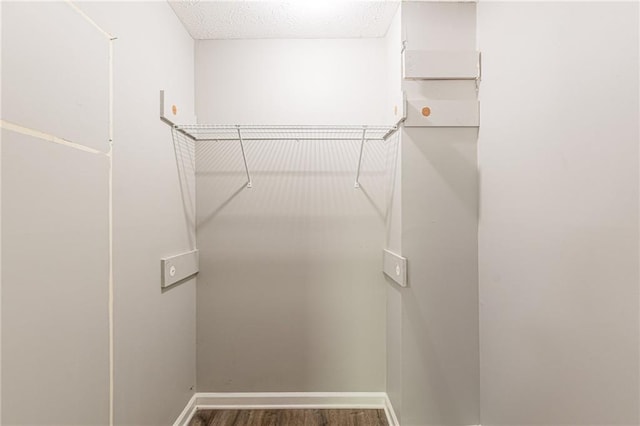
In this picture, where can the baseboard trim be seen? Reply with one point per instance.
(185, 417)
(392, 419)
(287, 400)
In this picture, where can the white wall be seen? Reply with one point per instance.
(54, 218)
(393, 241)
(559, 214)
(439, 313)
(293, 81)
(55, 292)
(290, 294)
(0, 238)
(154, 329)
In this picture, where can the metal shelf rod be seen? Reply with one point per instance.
(390, 132)
(283, 127)
(244, 158)
(284, 139)
(357, 183)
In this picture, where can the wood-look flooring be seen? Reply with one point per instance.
(295, 417)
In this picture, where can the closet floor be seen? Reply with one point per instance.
(296, 417)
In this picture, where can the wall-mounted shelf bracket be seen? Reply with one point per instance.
(395, 267)
(178, 268)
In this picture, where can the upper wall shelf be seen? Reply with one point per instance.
(243, 133)
(219, 132)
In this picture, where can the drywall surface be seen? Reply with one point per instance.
(54, 36)
(55, 201)
(393, 241)
(0, 238)
(54, 323)
(559, 215)
(154, 329)
(290, 295)
(439, 332)
(439, 308)
(291, 81)
(54, 219)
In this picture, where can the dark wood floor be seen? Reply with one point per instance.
(297, 417)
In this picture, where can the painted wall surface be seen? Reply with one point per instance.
(559, 215)
(54, 219)
(55, 323)
(290, 295)
(154, 329)
(439, 332)
(292, 81)
(0, 237)
(393, 241)
(54, 315)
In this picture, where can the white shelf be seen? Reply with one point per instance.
(223, 132)
(244, 133)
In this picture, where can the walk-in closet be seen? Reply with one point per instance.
(305, 212)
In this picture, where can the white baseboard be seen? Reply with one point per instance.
(392, 419)
(287, 400)
(185, 417)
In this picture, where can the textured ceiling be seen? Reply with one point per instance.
(285, 19)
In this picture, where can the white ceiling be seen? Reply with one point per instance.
(239, 19)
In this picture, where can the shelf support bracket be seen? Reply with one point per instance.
(364, 134)
(244, 158)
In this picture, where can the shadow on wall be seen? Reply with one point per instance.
(290, 291)
(440, 306)
(381, 155)
(185, 151)
(449, 157)
(314, 178)
(441, 403)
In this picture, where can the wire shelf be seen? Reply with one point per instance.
(215, 132)
(244, 133)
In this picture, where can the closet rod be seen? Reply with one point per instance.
(285, 126)
(283, 139)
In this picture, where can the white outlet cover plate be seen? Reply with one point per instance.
(395, 267)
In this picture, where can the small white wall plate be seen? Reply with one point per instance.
(177, 268)
(395, 267)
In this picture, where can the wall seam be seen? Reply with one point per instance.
(109, 155)
(88, 19)
(48, 137)
(0, 239)
(111, 327)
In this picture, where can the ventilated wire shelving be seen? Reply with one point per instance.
(244, 133)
